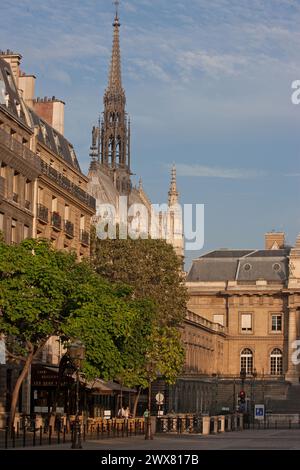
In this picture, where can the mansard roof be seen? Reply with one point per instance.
(55, 141)
(10, 99)
(241, 265)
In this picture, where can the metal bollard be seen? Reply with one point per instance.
(50, 435)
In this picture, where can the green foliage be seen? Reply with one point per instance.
(153, 270)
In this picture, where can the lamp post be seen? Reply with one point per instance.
(243, 374)
(148, 433)
(77, 354)
(254, 375)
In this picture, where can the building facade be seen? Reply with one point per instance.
(244, 306)
(43, 192)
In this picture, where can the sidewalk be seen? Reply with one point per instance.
(250, 440)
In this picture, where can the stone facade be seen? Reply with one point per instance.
(43, 192)
(244, 307)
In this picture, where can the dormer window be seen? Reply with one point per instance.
(10, 80)
(18, 108)
(57, 143)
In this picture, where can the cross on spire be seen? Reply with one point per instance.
(117, 3)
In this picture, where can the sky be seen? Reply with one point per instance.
(208, 86)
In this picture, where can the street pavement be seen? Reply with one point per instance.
(244, 440)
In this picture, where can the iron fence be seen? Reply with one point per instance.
(32, 436)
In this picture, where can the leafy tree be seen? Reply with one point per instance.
(153, 270)
(44, 293)
(33, 286)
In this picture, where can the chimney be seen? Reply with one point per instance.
(14, 59)
(274, 240)
(52, 111)
(27, 86)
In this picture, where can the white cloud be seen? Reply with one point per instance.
(216, 172)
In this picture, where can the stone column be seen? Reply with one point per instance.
(292, 374)
(222, 418)
(206, 425)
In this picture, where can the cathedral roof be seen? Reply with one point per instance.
(241, 265)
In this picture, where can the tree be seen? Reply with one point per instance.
(153, 270)
(33, 286)
(44, 293)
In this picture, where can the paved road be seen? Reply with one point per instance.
(252, 440)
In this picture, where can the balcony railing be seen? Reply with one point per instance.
(43, 213)
(56, 220)
(20, 150)
(15, 197)
(69, 229)
(66, 184)
(2, 187)
(84, 237)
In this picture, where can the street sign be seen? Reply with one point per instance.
(259, 411)
(159, 397)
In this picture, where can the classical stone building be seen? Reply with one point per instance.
(243, 317)
(43, 192)
(110, 170)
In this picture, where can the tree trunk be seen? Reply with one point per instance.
(15, 394)
(136, 400)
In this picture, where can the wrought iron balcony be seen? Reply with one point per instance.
(69, 228)
(56, 220)
(28, 205)
(42, 213)
(66, 184)
(15, 197)
(20, 150)
(2, 187)
(84, 237)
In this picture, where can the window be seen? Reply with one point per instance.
(276, 323)
(67, 212)
(40, 195)
(82, 222)
(247, 361)
(246, 322)
(28, 194)
(15, 186)
(14, 231)
(26, 232)
(54, 204)
(219, 319)
(276, 362)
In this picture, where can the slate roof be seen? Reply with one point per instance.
(10, 99)
(241, 265)
(54, 140)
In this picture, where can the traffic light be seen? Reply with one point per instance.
(242, 396)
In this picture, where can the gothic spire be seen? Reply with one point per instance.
(115, 76)
(173, 193)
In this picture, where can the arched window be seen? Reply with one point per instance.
(276, 362)
(247, 360)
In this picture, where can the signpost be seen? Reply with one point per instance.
(259, 412)
(159, 397)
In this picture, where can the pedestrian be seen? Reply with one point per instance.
(127, 412)
(121, 413)
(146, 413)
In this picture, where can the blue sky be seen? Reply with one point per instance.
(208, 86)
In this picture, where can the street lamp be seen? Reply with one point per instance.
(148, 433)
(254, 375)
(76, 352)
